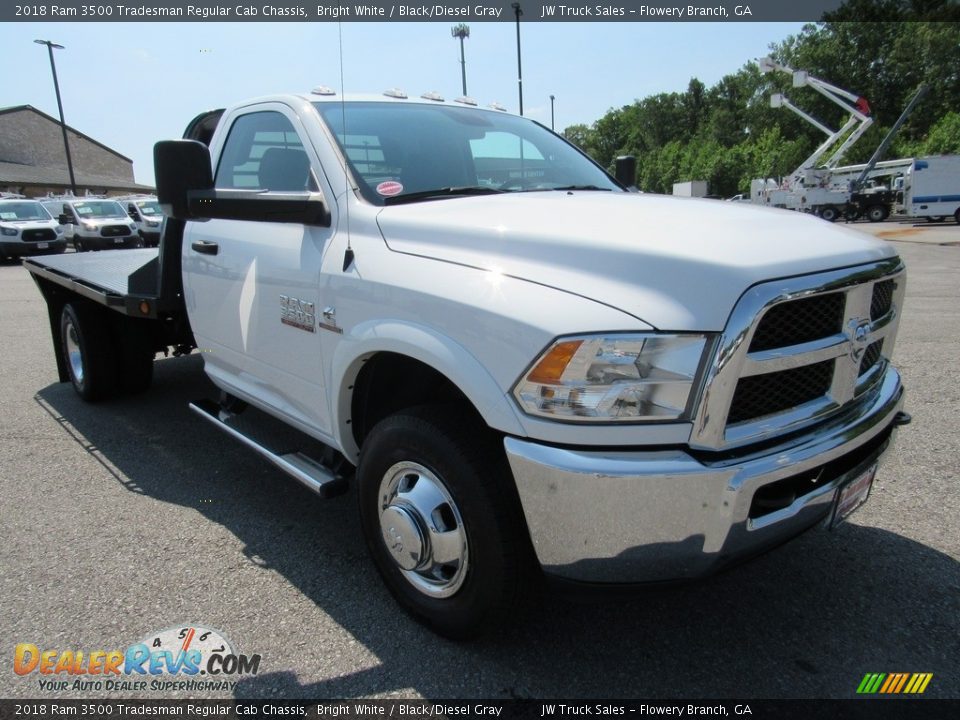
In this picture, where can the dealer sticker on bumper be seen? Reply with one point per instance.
(852, 495)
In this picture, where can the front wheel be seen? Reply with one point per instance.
(442, 520)
(876, 213)
(829, 213)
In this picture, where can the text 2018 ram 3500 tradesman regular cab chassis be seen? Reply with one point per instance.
(521, 365)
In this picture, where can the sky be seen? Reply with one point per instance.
(128, 85)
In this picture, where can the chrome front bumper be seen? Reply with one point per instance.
(635, 516)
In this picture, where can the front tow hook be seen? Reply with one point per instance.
(902, 418)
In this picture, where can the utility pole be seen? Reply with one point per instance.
(63, 124)
(519, 12)
(552, 98)
(462, 31)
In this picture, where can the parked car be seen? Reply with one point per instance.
(145, 212)
(94, 223)
(26, 228)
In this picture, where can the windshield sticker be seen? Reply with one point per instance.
(389, 188)
(8, 216)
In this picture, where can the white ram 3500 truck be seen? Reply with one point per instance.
(524, 368)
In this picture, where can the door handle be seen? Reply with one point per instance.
(206, 247)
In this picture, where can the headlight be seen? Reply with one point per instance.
(153, 223)
(622, 378)
(59, 229)
(133, 228)
(89, 226)
(9, 231)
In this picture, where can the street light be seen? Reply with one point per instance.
(462, 31)
(63, 124)
(519, 12)
(551, 112)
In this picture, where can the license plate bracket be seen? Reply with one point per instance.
(851, 495)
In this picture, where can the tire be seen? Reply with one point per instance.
(829, 213)
(877, 213)
(430, 482)
(851, 215)
(956, 216)
(88, 352)
(78, 246)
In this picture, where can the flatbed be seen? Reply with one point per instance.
(120, 279)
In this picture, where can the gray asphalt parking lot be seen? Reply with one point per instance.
(134, 516)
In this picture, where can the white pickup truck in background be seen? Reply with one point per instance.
(525, 369)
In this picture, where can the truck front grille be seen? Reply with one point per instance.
(797, 351)
(39, 235)
(882, 298)
(114, 230)
(799, 321)
(775, 392)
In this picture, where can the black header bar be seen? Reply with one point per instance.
(425, 11)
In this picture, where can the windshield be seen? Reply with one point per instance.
(99, 209)
(400, 151)
(149, 207)
(23, 210)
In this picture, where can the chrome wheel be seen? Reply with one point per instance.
(422, 529)
(74, 355)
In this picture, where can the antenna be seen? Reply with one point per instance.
(348, 256)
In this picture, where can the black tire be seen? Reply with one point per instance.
(877, 213)
(88, 352)
(474, 498)
(829, 213)
(956, 216)
(851, 215)
(78, 246)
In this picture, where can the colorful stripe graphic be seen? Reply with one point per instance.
(894, 683)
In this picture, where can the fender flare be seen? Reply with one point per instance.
(439, 352)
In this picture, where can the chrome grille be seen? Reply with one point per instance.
(797, 351)
(799, 321)
(760, 395)
(881, 299)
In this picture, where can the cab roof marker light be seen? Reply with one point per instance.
(464, 100)
(395, 93)
(437, 97)
(496, 106)
(323, 90)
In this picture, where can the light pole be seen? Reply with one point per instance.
(462, 31)
(63, 124)
(552, 98)
(519, 12)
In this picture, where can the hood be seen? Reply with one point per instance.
(675, 263)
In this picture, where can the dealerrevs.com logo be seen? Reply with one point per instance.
(188, 657)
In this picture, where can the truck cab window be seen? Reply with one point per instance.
(264, 152)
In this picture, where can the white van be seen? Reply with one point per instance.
(94, 223)
(145, 212)
(26, 228)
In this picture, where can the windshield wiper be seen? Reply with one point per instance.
(456, 191)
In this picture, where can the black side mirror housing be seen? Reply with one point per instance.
(64, 219)
(626, 170)
(180, 167)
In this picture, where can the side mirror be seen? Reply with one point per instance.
(64, 219)
(626, 170)
(180, 167)
(185, 191)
